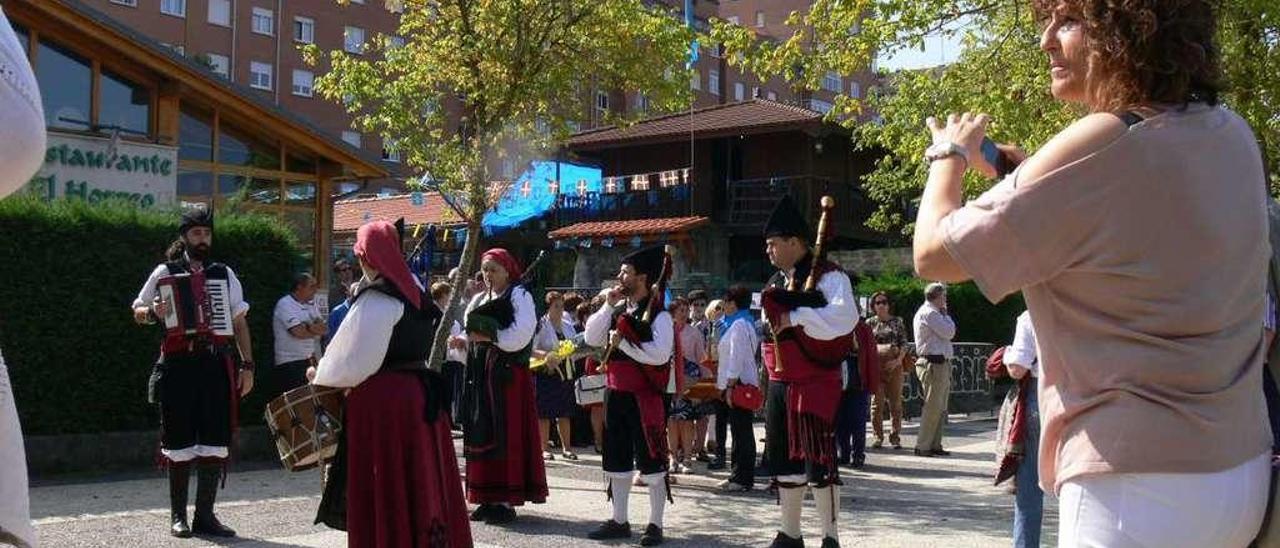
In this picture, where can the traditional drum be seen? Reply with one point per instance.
(305, 423)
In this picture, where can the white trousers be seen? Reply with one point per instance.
(15, 516)
(1218, 509)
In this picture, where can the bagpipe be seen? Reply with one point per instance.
(777, 301)
(498, 314)
(642, 331)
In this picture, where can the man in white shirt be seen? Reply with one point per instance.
(737, 353)
(296, 325)
(934, 330)
(1021, 359)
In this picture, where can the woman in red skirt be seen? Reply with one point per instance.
(402, 487)
(501, 441)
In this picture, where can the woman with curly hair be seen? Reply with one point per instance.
(1137, 237)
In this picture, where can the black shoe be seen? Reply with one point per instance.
(702, 457)
(481, 512)
(920, 453)
(859, 464)
(179, 483)
(941, 453)
(611, 530)
(784, 541)
(716, 465)
(500, 515)
(829, 542)
(652, 536)
(205, 522)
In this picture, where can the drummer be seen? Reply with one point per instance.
(401, 476)
(691, 350)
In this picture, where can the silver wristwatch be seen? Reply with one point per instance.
(938, 151)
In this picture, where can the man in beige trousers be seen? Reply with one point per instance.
(934, 330)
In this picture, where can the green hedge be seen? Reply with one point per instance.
(77, 361)
(977, 320)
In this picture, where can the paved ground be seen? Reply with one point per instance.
(898, 500)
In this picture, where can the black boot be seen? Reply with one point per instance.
(179, 481)
(784, 541)
(205, 523)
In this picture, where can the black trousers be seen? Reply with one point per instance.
(289, 375)
(625, 446)
(194, 392)
(778, 438)
(738, 423)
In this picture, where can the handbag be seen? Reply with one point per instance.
(589, 389)
(746, 396)
(888, 352)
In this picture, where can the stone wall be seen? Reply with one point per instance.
(862, 261)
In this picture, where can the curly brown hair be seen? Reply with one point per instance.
(1147, 51)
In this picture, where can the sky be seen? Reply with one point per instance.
(938, 50)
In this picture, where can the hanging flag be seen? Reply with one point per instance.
(417, 199)
(636, 241)
(693, 46)
(606, 242)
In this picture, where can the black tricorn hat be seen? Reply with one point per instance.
(196, 216)
(786, 221)
(647, 261)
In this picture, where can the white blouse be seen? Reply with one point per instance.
(546, 339)
(358, 348)
(516, 336)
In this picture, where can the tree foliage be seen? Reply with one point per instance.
(478, 84)
(1001, 71)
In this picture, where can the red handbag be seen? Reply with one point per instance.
(746, 396)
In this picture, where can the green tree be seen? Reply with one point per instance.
(468, 86)
(1001, 71)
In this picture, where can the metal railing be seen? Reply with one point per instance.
(752, 200)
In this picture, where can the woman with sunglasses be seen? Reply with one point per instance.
(891, 342)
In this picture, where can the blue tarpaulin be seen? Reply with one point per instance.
(531, 196)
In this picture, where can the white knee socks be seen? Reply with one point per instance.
(791, 499)
(620, 490)
(657, 496)
(827, 500)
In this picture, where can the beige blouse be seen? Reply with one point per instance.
(1142, 266)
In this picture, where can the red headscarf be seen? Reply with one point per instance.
(378, 243)
(508, 262)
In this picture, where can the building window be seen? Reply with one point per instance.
(739, 91)
(260, 75)
(390, 151)
(303, 80)
(304, 30)
(713, 82)
(353, 38)
(395, 42)
(695, 80)
(820, 105)
(773, 96)
(130, 3)
(219, 64)
(264, 21)
(351, 138)
(124, 104)
(176, 8)
(855, 90)
(66, 84)
(602, 104)
(755, 92)
(642, 103)
(759, 18)
(733, 19)
(832, 82)
(220, 12)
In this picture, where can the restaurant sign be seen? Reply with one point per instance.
(92, 169)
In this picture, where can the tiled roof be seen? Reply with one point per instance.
(754, 116)
(348, 215)
(643, 227)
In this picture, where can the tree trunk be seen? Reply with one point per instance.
(466, 266)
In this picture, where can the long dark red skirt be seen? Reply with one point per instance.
(517, 475)
(403, 486)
